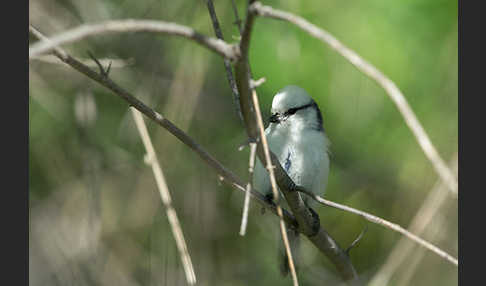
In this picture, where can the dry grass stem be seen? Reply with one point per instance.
(273, 182)
(166, 198)
(246, 206)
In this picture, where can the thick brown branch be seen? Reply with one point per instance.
(320, 238)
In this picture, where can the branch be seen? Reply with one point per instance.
(368, 69)
(226, 175)
(386, 224)
(227, 65)
(130, 25)
(307, 224)
(166, 198)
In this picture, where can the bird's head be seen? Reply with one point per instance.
(293, 107)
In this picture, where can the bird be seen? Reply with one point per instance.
(296, 135)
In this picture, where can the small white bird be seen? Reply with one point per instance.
(296, 136)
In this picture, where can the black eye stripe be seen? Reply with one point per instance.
(295, 109)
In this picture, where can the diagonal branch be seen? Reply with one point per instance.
(368, 69)
(130, 25)
(227, 175)
(166, 198)
(306, 221)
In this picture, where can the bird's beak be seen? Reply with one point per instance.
(275, 118)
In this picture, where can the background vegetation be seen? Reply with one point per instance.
(95, 213)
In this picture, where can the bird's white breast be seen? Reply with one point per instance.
(304, 155)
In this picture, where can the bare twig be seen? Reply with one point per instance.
(246, 206)
(421, 220)
(237, 18)
(368, 69)
(355, 242)
(386, 224)
(130, 25)
(166, 197)
(273, 182)
(227, 65)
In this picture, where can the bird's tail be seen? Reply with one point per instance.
(283, 260)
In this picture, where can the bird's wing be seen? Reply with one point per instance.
(261, 181)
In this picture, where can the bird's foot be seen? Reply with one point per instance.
(268, 199)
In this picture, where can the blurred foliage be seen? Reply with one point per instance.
(95, 213)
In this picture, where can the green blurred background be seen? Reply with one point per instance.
(95, 213)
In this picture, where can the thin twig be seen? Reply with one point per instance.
(166, 197)
(246, 206)
(116, 63)
(273, 182)
(237, 18)
(355, 242)
(368, 69)
(227, 65)
(435, 199)
(386, 224)
(130, 25)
